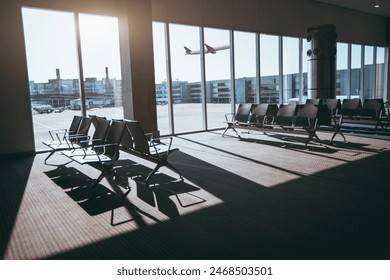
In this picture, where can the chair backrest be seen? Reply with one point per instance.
(127, 139)
(324, 115)
(334, 105)
(272, 109)
(372, 108)
(81, 132)
(286, 110)
(314, 101)
(114, 135)
(260, 111)
(307, 115)
(351, 107)
(74, 125)
(95, 119)
(243, 113)
(140, 142)
(84, 126)
(285, 115)
(101, 129)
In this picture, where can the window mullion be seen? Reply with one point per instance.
(169, 78)
(80, 64)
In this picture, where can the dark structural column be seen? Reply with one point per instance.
(321, 55)
(137, 64)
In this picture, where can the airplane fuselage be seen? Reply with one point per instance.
(207, 49)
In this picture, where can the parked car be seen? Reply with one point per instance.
(43, 109)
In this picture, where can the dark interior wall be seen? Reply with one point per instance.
(388, 64)
(15, 112)
(281, 17)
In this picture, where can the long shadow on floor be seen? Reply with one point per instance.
(297, 143)
(339, 213)
(14, 175)
(157, 193)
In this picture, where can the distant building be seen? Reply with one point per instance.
(108, 92)
(60, 92)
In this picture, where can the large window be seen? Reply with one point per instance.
(369, 72)
(101, 65)
(291, 77)
(245, 67)
(269, 69)
(342, 74)
(263, 68)
(304, 94)
(54, 67)
(218, 75)
(187, 94)
(160, 74)
(356, 71)
(381, 72)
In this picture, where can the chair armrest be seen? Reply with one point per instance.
(231, 117)
(56, 131)
(70, 139)
(78, 137)
(69, 133)
(84, 143)
(89, 140)
(104, 146)
(294, 120)
(268, 119)
(312, 123)
(149, 136)
(157, 141)
(338, 120)
(65, 133)
(162, 137)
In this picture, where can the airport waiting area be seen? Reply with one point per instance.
(182, 130)
(239, 193)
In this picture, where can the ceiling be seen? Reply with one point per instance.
(366, 6)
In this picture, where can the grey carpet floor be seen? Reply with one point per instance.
(258, 197)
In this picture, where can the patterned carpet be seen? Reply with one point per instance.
(261, 197)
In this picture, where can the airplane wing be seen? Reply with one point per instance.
(222, 48)
(208, 49)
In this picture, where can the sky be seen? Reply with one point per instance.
(187, 67)
(51, 43)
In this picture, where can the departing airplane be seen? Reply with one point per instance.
(208, 49)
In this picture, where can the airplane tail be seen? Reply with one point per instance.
(210, 49)
(188, 51)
